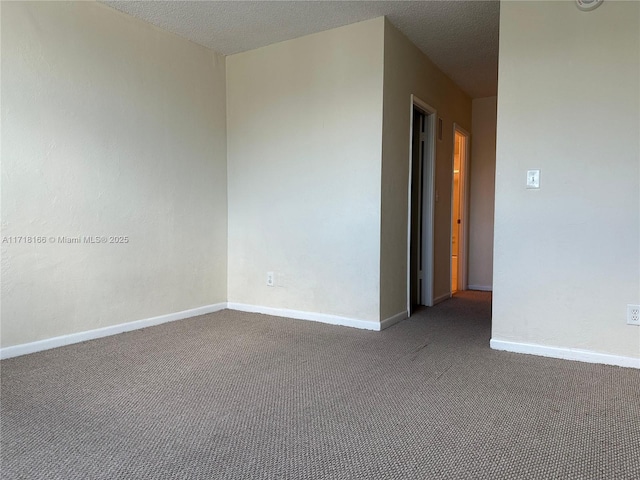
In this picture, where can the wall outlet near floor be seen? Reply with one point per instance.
(271, 279)
(633, 315)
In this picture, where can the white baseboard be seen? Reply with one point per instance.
(314, 317)
(398, 317)
(481, 288)
(441, 298)
(40, 345)
(32, 347)
(565, 353)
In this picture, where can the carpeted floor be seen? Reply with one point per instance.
(246, 396)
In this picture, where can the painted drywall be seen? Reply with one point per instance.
(304, 122)
(567, 256)
(408, 71)
(482, 171)
(110, 127)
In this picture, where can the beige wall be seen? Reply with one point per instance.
(109, 127)
(304, 153)
(482, 192)
(407, 71)
(567, 256)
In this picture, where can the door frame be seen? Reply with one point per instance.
(463, 233)
(428, 200)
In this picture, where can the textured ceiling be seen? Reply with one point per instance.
(460, 37)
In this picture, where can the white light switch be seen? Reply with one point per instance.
(533, 178)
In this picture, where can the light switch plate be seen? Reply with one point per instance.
(533, 178)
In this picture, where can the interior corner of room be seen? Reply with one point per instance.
(339, 177)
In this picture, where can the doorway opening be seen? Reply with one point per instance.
(459, 210)
(421, 205)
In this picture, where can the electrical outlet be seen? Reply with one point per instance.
(633, 315)
(270, 279)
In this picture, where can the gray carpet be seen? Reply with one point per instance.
(247, 396)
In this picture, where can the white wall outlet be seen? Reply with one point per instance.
(633, 315)
(533, 178)
(271, 279)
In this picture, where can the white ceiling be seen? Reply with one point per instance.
(460, 37)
